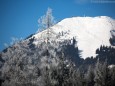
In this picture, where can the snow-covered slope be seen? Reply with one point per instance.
(90, 32)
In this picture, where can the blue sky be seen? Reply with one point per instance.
(18, 18)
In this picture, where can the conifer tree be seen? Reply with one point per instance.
(101, 74)
(90, 76)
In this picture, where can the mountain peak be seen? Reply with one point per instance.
(90, 32)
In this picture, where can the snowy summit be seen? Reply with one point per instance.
(90, 33)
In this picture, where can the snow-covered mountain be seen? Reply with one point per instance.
(37, 57)
(90, 33)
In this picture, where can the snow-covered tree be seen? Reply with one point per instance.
(46, 21)
(90, 76)
(101, 74)
(112, 76)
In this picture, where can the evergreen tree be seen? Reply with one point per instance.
(101, 74)
(90, 76)
(46, 21)
(112, 76)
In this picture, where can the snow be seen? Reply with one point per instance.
(90, 32)
(111, 66)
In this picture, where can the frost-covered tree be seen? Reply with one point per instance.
(90, 77)
(112, 76)
(20, 64)
(101, 74)
(46, 21)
